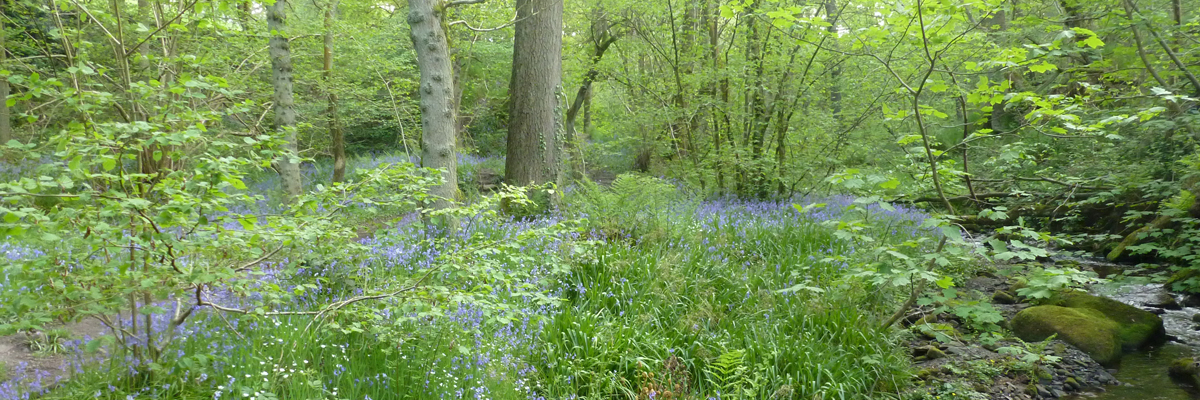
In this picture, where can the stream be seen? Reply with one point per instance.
(1144, 374)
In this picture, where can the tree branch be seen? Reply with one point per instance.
(457, 3)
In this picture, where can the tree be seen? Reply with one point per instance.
(438, 111)
(601, 37)
(285, 108)
(336, 138)
(534, 146)
(5, 116)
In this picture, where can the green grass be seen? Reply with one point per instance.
(677, 298)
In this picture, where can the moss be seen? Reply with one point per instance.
(1138, 328)
(1182, 276)
(1185, 369)
(1087, 329)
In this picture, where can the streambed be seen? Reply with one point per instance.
(1144, 374)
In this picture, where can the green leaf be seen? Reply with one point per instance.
(890, 184)
(1043, 67)
(108, 164)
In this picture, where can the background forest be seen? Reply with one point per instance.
(349, 199)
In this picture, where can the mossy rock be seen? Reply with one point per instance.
(1182, 276)
(931, 330)
(1186, 369)
(1087, 329)
(1137, 328)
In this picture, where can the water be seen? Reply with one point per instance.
(1144, 377)
(1144, 374)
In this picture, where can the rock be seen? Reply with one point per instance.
(1191, 300)
(1103, 271)
(1164, 301)
(1186, 369)
(1001, 297)
(1072, 383)
(1137, 327)
(488, 180)
(1042, 392)
(1196, 318)
(1087, 329)
(925, 373)
(930, 331)
(1058, 393)
(1183, 277)
(933, 353)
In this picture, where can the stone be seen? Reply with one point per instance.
(1072, 383)
(1196, 318)
(1186, 369)
(1164, 301)
(1001, 297)
(1086, 329)
(1137, 328)
(931, 331)
(1183, 277)
(933, 353)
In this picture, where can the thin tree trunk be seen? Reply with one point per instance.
(1170, 54)
(1141, 48)
(5, 115)
(335, 127)
(587, 115)
(574, 142)
(755, 136)
(533, 144)
(438, 113)
(835, 89)
(244, 15)
(285, 109)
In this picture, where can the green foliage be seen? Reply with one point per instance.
(632, 206)
(1044, 283)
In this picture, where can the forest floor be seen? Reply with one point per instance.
(46, 358)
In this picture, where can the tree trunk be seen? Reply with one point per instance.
(534, 148)
(835, 89)
(5, 115)
(574, 141)
(285, 108)
(587, 114)
(438, 114)
(244, 15)
(335, 127)
(754, 177)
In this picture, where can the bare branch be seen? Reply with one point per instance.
(457, 3)
(468, 26)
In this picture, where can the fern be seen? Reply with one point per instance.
(630, 206)
(727, 374)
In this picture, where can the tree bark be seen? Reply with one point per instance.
(574, 141)
(285, 108)
(335, 128)
(835, 89)
(1179, 64)
(534, 148)
(244, 15)
(5, 115)
(438, 113)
